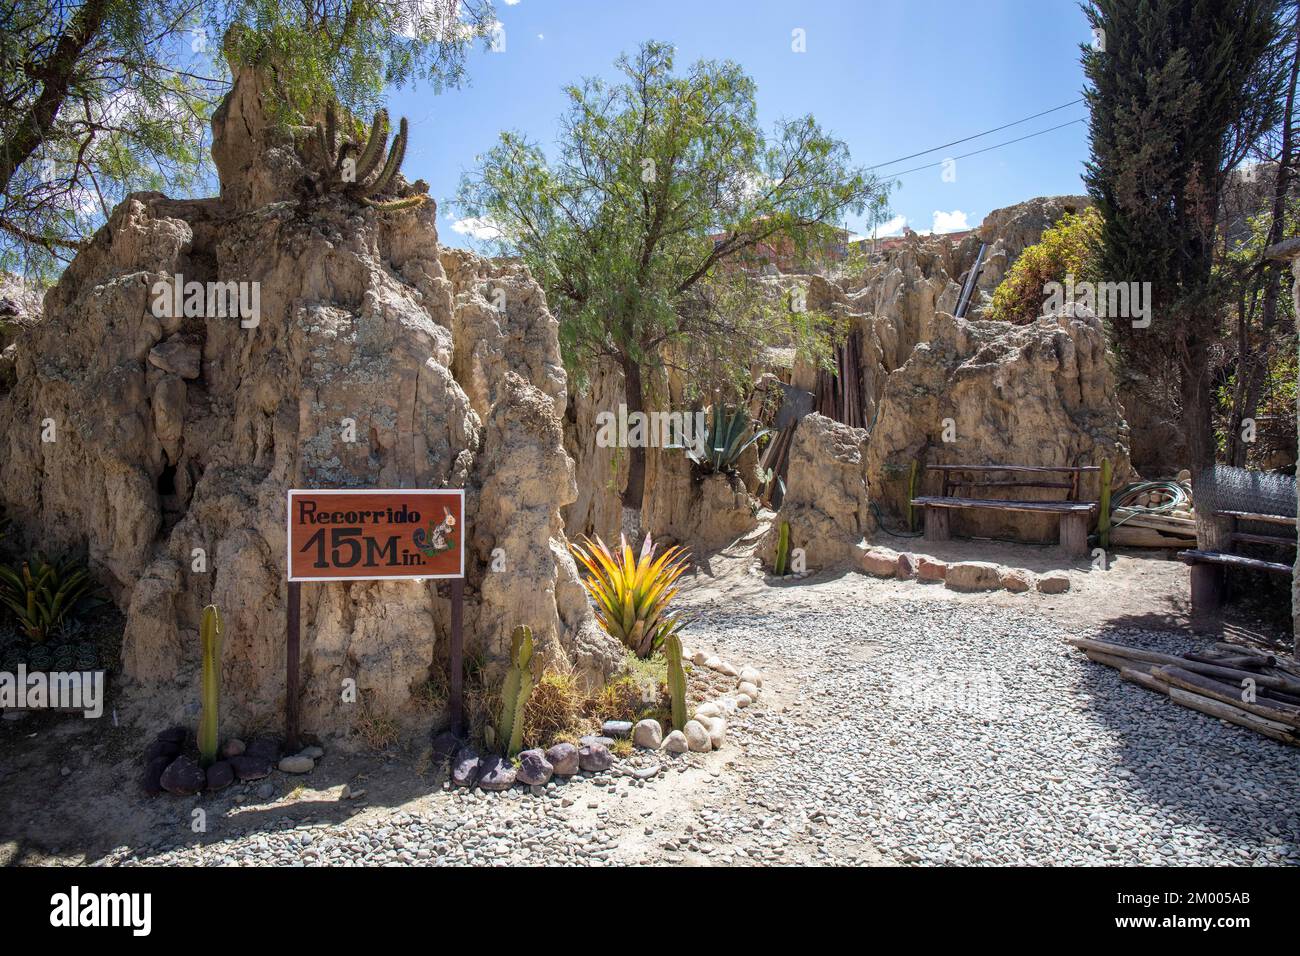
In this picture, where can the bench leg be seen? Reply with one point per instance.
(1207, 589)
(936, 524)
(1074, 535)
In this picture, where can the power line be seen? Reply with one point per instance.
(986, 148)
(967, 139)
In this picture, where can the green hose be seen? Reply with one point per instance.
(1130, 493)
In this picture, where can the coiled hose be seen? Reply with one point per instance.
(1174, 492)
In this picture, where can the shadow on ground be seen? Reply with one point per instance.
(1208, 772)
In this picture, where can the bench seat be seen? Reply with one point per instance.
(1073, 516)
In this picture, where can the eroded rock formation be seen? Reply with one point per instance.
(1043, 393)
(987, 392)
(826, 494)
(375, 359)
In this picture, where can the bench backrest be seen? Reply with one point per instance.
(1065, 477)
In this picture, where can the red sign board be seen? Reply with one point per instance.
(343, 534)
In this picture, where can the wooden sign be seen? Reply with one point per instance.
(363, 535)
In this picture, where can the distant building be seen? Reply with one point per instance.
(887, 244)
(780, 255)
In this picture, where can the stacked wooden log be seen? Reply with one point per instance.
(1144, 530)
(1154, 515)
(1232, 682)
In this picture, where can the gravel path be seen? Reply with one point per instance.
(897, 732)
(956, 734)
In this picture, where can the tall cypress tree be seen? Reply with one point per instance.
(1179, 90)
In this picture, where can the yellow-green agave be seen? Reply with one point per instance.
(632, 593)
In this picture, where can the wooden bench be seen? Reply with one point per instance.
(1074, 514)
(1207, 567)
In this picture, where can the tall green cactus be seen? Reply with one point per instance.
(1103, 505)
(782, 549)
(210, 687)
(514, 693)
(676, 679)
(334, 146)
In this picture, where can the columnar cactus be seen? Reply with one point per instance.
(515, 692)
(344, 165)
(676, 679)
(210, 687)
(782, 549)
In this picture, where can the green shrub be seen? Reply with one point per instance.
(1071, 247)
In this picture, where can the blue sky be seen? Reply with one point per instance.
(888, 78)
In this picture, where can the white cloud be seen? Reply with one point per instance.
(484, 230)
(511, 3)
(434, 20)
(890, 227)
(954, 221)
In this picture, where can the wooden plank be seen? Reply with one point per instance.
(997, 504)
(1025, 468)
(1085, 644)
(936, 525)
(1014, 484)
(1144, 679)
(1233, 561)
(1119, 663)
(1253, 516)
(1161, 522)
(1091, 646)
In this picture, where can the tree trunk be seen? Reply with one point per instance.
(29, 131)
(634, 491)
(1197, 427)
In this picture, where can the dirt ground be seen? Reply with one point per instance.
(69, 790)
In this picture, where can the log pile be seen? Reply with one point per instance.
(1154, 514)
(1232, 682)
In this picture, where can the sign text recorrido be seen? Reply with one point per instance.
(361, 535)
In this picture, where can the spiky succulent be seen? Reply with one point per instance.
(729, 433)
(632, 593)
(343, 164)
(40, 594)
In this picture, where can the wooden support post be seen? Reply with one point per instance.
(292, 654)
(936, 524)
(1207, 588)
(1074, 534)
(457, 658)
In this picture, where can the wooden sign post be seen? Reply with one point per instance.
(347, 534)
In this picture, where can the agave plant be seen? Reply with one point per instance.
(729, 433)
(632, 592)
(41, 594)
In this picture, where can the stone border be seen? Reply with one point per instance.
(705, 732)
(958, 575)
